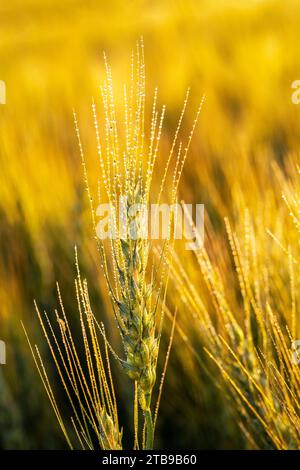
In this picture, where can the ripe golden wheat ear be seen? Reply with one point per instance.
(249, 340)
(87, 380)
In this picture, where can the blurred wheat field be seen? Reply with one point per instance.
(244, 155)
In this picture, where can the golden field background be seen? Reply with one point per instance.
(244, 56)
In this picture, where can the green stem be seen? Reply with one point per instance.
(149, 429)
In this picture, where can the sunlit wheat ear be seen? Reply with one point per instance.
(127, 166)
(87, 381)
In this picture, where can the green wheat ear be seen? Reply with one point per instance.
(136, 292)
(138, 325)
(127, 170)
(111, 436)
